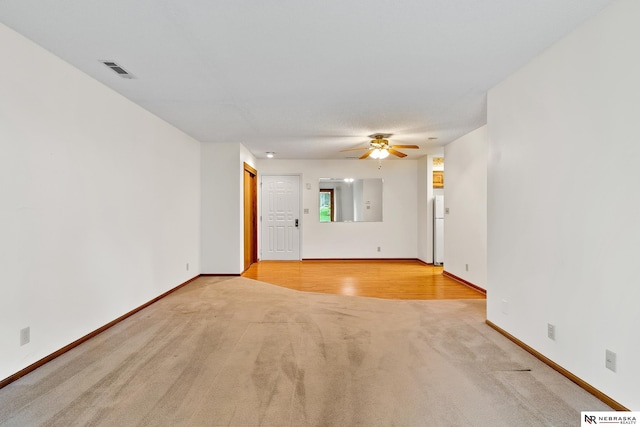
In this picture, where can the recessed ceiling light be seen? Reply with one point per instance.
(270, 154)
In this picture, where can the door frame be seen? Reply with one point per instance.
(250, 230)
(300, 211)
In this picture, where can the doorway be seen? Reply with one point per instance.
(280, 217)
(250, 216)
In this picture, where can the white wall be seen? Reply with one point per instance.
(99, 204)
(563, 205)
(370, 200)
(221, 214)
(396, 235)
(426, 193)
(222, 207)
(465, 192)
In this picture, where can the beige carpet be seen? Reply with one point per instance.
(237, 352)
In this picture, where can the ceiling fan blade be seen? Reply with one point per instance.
(365, 155)
(396, 153)
(404, 146)
(354, 149)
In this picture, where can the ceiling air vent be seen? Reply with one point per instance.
(118, 69)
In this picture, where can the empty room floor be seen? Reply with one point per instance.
(392, 279)
(233, 351)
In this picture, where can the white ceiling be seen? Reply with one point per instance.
(304, 78)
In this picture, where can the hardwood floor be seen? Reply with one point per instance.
(392, 279)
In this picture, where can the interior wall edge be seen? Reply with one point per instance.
(568, 374)
(21, 373)
(465, 282)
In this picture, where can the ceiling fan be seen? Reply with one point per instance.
(379, 147)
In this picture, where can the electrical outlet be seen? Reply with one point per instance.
(187, 266)
(551, 331)
(378, 248)
(25, 335)
(466, 267)
(505, 306)
(610, 360)
(306, 211)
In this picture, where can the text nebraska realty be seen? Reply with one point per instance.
(610, 419)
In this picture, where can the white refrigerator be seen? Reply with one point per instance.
(438, 230)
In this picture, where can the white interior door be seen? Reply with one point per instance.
(280, 213)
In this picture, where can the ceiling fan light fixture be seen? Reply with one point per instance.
(379, 153)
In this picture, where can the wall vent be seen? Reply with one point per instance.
(118, 69)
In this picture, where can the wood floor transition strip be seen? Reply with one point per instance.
(464, 282)
(36, 365)
(220, 275)
(360, 259)
(586, 386)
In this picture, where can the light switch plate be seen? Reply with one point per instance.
(610, 360)
(25, 335)
(551, 331)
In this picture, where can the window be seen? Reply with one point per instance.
(327, 213)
